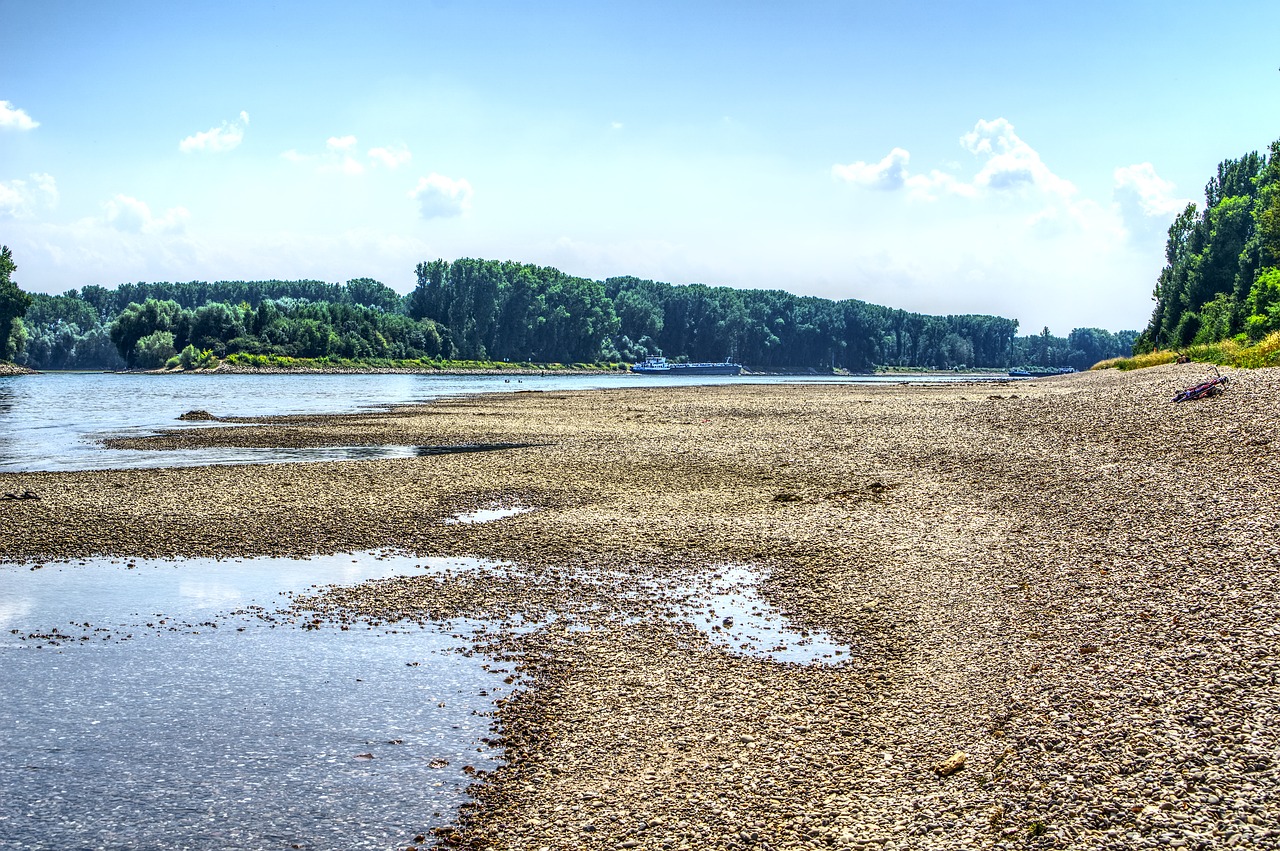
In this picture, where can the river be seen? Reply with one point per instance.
(56, 421)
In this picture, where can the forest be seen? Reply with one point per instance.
(486, 310)
(1221, 280)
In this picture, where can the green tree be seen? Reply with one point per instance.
(1263, 305)
(13, 305)
(153, 351)
(141, 320)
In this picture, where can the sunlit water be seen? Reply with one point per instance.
(131, 721)
(57, 421)
(728, 608)
(487, 514)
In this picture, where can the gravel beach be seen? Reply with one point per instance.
(1072, 582)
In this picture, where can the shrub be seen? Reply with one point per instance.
(153, 350)
(191, 358)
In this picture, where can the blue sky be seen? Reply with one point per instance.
(945, 157)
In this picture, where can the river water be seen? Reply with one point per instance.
(166, 704)
(176, 703)
(56, 421)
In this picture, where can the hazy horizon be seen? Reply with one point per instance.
(1006, 159)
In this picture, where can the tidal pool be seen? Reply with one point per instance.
(171, 704)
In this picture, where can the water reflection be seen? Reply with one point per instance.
(158, 717)
(487, 515)
(729, 609)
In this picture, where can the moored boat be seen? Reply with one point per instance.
(662, 366)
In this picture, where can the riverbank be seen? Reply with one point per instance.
(7, 368)
(1072, 581)
(319, 367)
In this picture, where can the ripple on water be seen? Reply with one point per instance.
(155, 716)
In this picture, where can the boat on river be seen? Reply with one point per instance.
(1041, 371)
(662, 366)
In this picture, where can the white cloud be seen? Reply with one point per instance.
(888, 174)
(390, 156)
(20, 199)
(217, 139)
(441, 197)
(616, 125)
(128, 214)
(1011, 171)
(12, 118)
(338, 158)
(930, 186)
(1011, 163)
(1146, 200)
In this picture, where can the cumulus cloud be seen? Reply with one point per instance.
(341, 143)
(1147, 201)
(1009, 170)
(21, 199)
(12, 118)
(391, 156)
(128, 214)
(441, 197)
(1010, 162)
(1009, 165)
(888, 174)
(217, 139)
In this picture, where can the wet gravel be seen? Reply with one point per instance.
(1070, 581)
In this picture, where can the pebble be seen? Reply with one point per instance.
(1075, 588)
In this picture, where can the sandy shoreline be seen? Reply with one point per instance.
(1072, 580)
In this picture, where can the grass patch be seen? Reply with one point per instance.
(1235, 353)
(1137, 361)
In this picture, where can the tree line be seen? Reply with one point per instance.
(507, 311)
(1221, 278)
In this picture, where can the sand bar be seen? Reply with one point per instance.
(1071, 581)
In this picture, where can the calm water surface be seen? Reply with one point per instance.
(152, 704)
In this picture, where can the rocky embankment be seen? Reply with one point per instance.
(1072, 582)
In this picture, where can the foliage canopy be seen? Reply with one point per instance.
(486, 310)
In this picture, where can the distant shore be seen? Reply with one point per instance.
(1072, 582)
(13, 369)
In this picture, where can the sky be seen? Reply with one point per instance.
(1014, 158)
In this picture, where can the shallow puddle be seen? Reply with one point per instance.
(135, 458)
(728, 608)
(488, 515)
(171, 704)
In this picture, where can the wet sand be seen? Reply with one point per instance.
(1072, 581)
